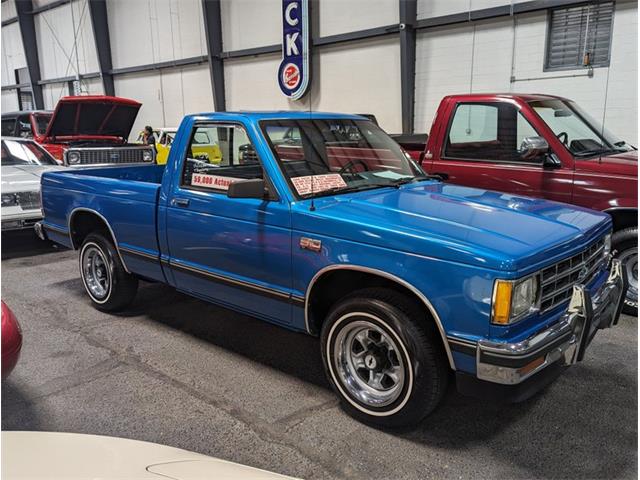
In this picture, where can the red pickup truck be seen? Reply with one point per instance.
(83, 130)
(541, 146)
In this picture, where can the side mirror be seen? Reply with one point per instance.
(533, 147)
(252, 188)
(551, 161)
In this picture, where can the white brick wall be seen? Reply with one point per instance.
(444, 67)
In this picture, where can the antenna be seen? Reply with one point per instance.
(313, 205)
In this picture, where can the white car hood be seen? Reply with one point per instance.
(55, 456)
(23, 178)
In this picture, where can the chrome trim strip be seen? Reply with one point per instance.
(388, 276)
(54, 229)
(139, 253)
(232, 281)
(113, 236)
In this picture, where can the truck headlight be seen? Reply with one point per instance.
(147, 156)
(514, 299)
(607, 245)
(9, 200)
(73, 158)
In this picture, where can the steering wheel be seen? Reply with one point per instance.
(351, 164)
(564, 138)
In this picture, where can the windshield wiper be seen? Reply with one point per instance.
(417, 178)
(354, 188)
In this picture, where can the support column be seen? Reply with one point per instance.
(28, 33)
(408, 16)
(213, 32)
(98, 12)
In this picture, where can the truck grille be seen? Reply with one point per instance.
(101, 156)
(28, 200)
(558, 280)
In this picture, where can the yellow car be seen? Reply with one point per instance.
(206, 149)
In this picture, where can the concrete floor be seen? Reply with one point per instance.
(178, 371)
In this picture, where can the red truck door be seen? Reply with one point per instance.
(481, 146)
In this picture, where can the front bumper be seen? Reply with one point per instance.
(563, 343)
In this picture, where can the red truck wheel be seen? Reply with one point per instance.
(625, 248)
(106, 281)
(386, 365)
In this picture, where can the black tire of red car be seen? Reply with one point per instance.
(404, 345)
(105, 279)
(625, 247)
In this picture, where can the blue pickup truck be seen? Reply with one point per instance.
(322, 224)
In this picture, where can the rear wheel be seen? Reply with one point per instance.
(106, 281)
(625, 248)
(383, 359)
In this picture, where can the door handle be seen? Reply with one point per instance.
(180, 202)
(443, 176)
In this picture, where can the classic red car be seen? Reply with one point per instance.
(83, 130)
(541, 146)
(11, 340)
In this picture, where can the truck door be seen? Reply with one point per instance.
(234, 251)
(482, 147)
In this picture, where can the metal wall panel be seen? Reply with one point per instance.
(55, 38)
(142, 33)
(247, 23)
(12, 53)
(339, 16)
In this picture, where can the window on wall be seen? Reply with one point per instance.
(579, 37)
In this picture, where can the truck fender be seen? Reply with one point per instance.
(388, 276)
(102, 220)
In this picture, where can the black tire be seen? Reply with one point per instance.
(424, 364)
(120, 286)
(625, 247)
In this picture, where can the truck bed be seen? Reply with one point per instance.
(126, 196)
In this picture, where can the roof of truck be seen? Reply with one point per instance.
(280, 115)
(527, 97)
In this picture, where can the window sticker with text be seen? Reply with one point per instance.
(317, 183)
(212, 181)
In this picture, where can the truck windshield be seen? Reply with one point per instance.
(332, 156)
(42, 122)
(582, 135)
(24, 153)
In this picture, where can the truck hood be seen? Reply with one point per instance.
(455, 223)
(93, 116)
(23, 178)
(619, 164)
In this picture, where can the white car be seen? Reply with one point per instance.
(23, 162)
(49, 455)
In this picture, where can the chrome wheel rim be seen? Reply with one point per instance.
(96, 272)
(629, 260)
(369, 363)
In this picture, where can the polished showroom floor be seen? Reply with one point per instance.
(178, 371)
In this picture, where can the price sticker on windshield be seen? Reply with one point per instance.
(317, 183)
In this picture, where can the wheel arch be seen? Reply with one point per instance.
(623, 217)
(363, 277)
(83, 221)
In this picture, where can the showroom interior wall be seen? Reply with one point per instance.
(361, 76)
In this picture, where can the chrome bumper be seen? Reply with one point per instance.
(564, 342)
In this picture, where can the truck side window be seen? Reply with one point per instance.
(24, 127)
(218, 155)
(8, 127)
(489, 132)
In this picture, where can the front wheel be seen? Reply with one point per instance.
(383, 358)
(625, 248)
(106, 281)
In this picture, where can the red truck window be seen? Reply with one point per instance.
(487, 131)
